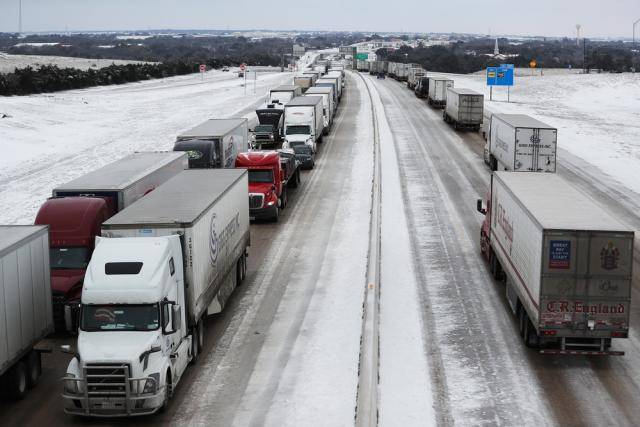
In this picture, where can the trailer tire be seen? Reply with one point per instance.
(34, 368)
(531, 338)
(18, 382)
(194, 346)
(285, 198)
(201, 335)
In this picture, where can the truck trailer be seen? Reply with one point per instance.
(77, 210)
(214, 143)
(327, 105)
(163, 265)
(438, 86)
(566, 261)
(304, 82)
(283, 94)
(520, 143)
(26, 315)
(464, 108)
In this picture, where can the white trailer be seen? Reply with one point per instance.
(164, 264)
(303, 121)
(464, 108)
(520, 143)
(335, 82)
(305, 82)
(227, 138)
(124, 181)
(567, 262)
(414, 76)
(338, 75)
(438, 91)
(26, 314)
(283, 94)
(328, 109)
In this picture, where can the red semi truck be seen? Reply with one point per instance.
(270, 173)
(77, 210)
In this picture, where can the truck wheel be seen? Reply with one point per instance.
(201, 335)
(18, 381)
(276, 215)
(531, 338)
(295, 179)
(168, 390)
(285, 198)
(34, 368)
(522, 320)
(194, 345)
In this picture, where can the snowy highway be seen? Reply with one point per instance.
(286, 349)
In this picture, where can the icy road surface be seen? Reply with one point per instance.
(50, 139)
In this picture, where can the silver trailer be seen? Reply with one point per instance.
(414, 76)
(126, 180)
(567, 263)
(305, 82)
(464, 109)
(227, 138)
(209, 209)
(315, 75)
(520, 143)
(283, 94)
(333, 82)
(438, 91)
(26, 314)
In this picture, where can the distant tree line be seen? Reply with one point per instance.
(50, 78)
(472, 55)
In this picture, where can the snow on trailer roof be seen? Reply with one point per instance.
(522, 121)
(318, 89)
(463, 91)
(179, 201)
(11, 236)
(304, 101)
(123, 173)
(285, 88)
(557, 205)
(214, 128)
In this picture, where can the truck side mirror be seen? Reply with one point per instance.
(479, 207)
(176, 317)
(169, 318)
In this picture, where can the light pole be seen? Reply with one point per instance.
(20, 19)
(634, 33)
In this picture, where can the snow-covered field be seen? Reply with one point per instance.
(50, 139)
(597, 115)
(8, 63)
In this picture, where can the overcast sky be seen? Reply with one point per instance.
(531, 17)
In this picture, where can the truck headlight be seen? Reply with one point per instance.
(151, 385)
(71, 387)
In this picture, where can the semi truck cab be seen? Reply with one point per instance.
(74, 223)
(267, 193)
(133, 342)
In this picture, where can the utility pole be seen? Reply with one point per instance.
(584, 54)
(634, 33)
(20, 19)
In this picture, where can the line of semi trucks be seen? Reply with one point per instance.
(566, 262)
(133, 256)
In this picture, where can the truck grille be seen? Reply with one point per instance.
(263, 138)
(107, 379)
(255, 201)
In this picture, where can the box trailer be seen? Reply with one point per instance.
(464, 108)
(283, 94)
(438, 86)
(414, 76)
(303, 121)
(332, 82)
(520, 143)
(124, 181)
(305, 82)
(215, 143)
(26, 314)
(328, 109)
(567, 262)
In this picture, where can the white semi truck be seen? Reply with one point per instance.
(215, 143)
(303, 121)
(520, 143)
(438, 91)
(566, 261)
(26, 315)
(163, 265)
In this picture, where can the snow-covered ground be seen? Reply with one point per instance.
(8, 63)
(50, 139)
(597, 115)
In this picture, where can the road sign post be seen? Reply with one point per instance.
(203, 68)
(500, 76)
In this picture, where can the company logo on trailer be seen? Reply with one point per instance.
(609, 256)
(560, 254)
(218, 242)
(505, 223)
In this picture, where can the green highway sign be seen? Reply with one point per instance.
(362, 56)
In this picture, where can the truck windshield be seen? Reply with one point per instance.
(125, 317)
(260, 175)
(264, 128)
(299, 130)
(75, 258)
